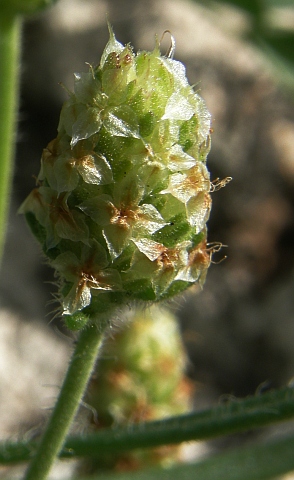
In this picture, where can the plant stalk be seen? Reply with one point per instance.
(73, 388)
(235, 416)
(10, 30)
(257, 462)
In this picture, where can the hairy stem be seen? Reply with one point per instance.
(10, 28)
(257, 462)
(74, 385)
(234, 416)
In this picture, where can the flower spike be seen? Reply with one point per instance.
(123, 193)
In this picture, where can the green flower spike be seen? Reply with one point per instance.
(123, 194)
(141, 378)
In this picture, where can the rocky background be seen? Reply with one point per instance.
(239, 330)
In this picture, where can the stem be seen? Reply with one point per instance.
(74, 385)
(257, 462)
(235, 416)
(10, 28)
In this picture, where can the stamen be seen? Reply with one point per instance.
(217, 184)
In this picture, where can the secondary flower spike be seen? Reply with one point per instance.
(123, 194)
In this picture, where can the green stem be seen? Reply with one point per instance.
(10, 28)
(234, 416)
(257, 462)
(74, 385)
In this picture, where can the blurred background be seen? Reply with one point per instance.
(239, 331)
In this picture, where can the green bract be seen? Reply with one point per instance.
(122, 197)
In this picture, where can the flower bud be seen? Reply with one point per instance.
(122, 197)
(141, 377)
